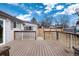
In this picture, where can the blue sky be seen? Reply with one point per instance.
(26, 11)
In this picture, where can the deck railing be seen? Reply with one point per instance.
(71, 39)
(4, 51)
(67, 38)
(25, 35)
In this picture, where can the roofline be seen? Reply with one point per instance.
(12, 18)
(29, 22)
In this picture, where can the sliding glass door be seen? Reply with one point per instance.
(1, 31)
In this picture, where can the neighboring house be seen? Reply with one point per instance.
(30, 26)
(52, 26)
(77, 26)
(70, 29)
(9, 24)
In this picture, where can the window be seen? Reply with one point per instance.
(28, 28)
(14, 25)
(18, 25)
(1, 31)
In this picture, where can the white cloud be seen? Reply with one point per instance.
(15, 4)
(62, 12)
(71, 9)
(19, 5)
(56, 13)
(49, 3)
(59, 7)
(49, 6)
(30, 12)
(25, 17)
(38, 12)
(46, 11)
(45, 3)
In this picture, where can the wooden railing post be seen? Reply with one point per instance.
(75, 40)
(4, 51)
(71, 42)
(44, 35)
(57, 36)
(78, 39)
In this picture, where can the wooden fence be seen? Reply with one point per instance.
(67, 38)
(25, 35)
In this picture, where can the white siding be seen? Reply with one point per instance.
(8, 32)
(22, 27)
(34, 27)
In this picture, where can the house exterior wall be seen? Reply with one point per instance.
(7, 33)
(77, 28)
(3, 31)
(34, 27)
(19, 27)
(8, 30)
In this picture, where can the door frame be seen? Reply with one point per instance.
(3, 31)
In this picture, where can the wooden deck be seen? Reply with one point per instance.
(37, 48)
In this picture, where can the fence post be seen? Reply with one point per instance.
(44, 35)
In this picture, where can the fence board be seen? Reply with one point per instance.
(25, 35)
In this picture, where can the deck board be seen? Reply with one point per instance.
(37, 48)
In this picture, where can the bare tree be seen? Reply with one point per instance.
(77, 11)
(34, 21)
(62, 21)
(46, 23)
